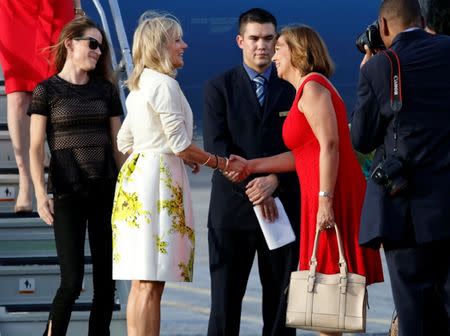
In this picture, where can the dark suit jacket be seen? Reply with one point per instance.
(424, 140)
(235, 123)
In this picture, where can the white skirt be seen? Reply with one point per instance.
(152, 221)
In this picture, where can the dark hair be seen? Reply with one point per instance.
(257, 15)
(437, 15)
(406, 11)
(77, 28)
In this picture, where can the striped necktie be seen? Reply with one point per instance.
(260, 88)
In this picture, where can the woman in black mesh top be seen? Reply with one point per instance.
(79, 111)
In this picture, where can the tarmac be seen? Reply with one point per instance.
(185, 306)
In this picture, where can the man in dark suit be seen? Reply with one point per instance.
(244, 115)
(413, 225)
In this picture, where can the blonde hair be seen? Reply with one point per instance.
(308, 51)
(154, 32)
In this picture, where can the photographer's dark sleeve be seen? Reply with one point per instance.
(367, 124)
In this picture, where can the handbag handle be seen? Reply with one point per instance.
(313, 261)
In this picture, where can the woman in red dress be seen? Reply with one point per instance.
(331, 181)
(27, 29)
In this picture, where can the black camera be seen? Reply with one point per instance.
(370, 37)
(390, 174)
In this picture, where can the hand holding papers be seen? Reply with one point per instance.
(279, 232)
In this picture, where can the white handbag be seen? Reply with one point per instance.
(327, 302)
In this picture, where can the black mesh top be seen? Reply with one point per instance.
(78, 131)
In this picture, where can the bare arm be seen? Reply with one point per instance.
(280, 163)
(195, 154)
(319, 111)
(114, 125)
(37, 156)
(318, 108)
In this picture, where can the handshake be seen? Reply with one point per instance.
(259, 190)
(237, 169)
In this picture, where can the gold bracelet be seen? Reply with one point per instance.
(217, 162)
(226, 165)
(207, 160)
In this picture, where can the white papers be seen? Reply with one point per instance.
(279, 232)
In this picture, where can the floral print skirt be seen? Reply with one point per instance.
(152, 221)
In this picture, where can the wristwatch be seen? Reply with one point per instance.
(325, 194)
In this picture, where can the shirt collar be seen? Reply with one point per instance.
(252, 73)
(410, 29)
(407, 32)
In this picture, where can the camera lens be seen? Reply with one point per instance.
(362, 40)
(370, 37)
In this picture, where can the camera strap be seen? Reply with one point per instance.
(396, 89)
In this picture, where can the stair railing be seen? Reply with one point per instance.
(125, 65)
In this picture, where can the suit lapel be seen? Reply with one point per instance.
(273, 94)
(246, 91)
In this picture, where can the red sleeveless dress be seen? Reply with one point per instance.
(348, 194)
(27, 29)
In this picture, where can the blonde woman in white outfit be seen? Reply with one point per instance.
(153, 227)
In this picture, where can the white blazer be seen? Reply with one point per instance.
(159, 117)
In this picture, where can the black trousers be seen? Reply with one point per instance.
(74, 212)
(420, 280)
(231, 255)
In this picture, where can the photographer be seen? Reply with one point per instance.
(406, 206)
